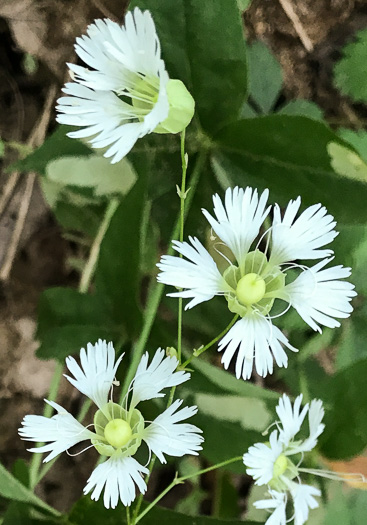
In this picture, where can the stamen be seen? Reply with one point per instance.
(80, 452)
(341, 476)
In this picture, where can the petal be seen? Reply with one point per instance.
(320, 297)
(166, 435)
(118, 477)
(290, 417)
(315, 417)
(197, 273)
(260, 459)
(160, 374)
(303, 500)
(239, 220)
(98, 369)
(61, 432)
(255, 338)
(301, 238)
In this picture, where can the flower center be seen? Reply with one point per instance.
(118, 432)
(280, 466)
(250, 289)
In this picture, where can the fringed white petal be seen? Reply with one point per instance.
(256, 339)
(150, 380)
(239, 219)
(97, 371)
(303, 500)
(60, 432)
(166, 435)
(197, 273)
(290, 417)
(301, 238)
(319, 296)
(315, 417)
(118, 476)
(278, 503)
(260, 459)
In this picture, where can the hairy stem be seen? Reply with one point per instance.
(156, 289)
(177, 480)
(212, 342)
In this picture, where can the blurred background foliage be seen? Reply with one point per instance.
(245, 132)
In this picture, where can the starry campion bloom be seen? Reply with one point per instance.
(277, 463)
(254, 279)
(125, 92)
(118, 429)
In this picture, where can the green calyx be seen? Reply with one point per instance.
(254, 286)
(117, 429)
(181, 108)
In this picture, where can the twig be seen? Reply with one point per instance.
(36, 138)
(300, 30)
(14, 241)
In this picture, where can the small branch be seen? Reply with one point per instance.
(300, 30)
(36, 138)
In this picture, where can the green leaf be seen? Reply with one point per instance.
(11, 488)
(347, 162)
(66, 340)
(304, 108)
(345, 396)
(68, 320)
(237, 441)
(55, 146)
(87, 511)
(21, 514)
(118, 272)
(289, 156)
(249, 413)
(226, 382)
(92, 172)
(358, 139)
(265, 77)
(203, 45)
(350, 74)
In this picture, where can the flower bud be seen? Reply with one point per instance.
(181, 108)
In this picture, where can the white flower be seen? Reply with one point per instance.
(255, 280)
(127, 92)
(118, 429)
(270, 464)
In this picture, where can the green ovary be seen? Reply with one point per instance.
(280, 466)
(254, 285)
(250, 289)
(118, 432)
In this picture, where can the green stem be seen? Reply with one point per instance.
(128, 515)
(182, 195)
(91, 264)
(180, 225)
(212, 342)
(156, 289)
(47, 411)
(177, 480)
(85, 280)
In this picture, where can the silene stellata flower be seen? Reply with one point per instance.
(254, 278)
(118, 430)
(277, 464)
(125, 92)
